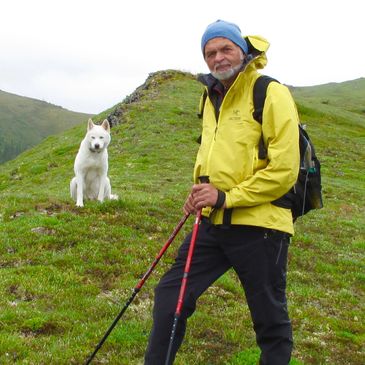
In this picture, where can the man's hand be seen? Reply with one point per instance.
(201, 195)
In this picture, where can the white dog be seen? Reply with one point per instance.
(91, 166)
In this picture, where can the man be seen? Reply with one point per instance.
(241, 228)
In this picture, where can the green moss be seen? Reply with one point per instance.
(66, 272)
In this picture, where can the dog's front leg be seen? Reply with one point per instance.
(101, 193)
(79, 190)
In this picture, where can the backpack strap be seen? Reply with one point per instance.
(203, 98)
(259, 96)
(200, 113)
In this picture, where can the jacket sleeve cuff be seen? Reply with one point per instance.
(228, 201)
(220, 199)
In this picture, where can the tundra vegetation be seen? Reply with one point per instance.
(66, 272)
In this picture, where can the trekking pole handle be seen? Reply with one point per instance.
(204, 179)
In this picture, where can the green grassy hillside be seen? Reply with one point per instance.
(67, 272)
(24, 122)
(345, 100)
(347, 95)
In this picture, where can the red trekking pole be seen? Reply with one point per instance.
(203, 179)
(139, 285)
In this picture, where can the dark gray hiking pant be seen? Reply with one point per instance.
(259, 257)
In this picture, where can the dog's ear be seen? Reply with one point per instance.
(90, 124)
(106, 125)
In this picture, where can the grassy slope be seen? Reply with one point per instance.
(347, 95)
(66, 272)
(24, 122)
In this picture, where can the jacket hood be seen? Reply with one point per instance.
(257, 48)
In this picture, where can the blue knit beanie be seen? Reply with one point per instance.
(224, 29)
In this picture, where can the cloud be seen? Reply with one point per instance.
(88, 55)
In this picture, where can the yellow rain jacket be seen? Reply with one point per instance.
(228, 153)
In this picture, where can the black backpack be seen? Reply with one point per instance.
(306, 194)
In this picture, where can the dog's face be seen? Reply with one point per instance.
(98, 136)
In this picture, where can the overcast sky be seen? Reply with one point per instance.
(87, 55)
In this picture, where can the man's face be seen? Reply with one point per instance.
(223, 57)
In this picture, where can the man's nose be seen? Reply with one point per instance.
(219, 56)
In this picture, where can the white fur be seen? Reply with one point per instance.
(91, 166)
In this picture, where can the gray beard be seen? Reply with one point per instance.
(226, 75)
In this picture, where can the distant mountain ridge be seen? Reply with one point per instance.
(24, 122)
